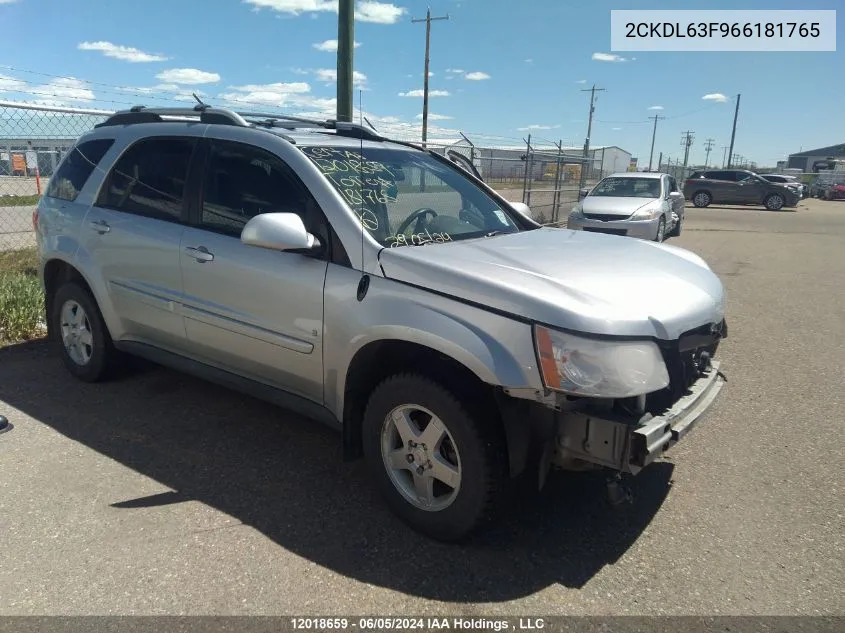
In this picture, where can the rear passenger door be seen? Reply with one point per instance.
(133, 233)
(254, 311)
(722, 186)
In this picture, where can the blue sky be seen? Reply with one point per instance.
(502, 69)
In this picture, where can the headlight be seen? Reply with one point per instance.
(599, 369)
(649, 213)
(576, 210)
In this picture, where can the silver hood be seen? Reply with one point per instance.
(623, 207)
(587, 282)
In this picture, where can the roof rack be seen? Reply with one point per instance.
(224, 116)
(142, 114)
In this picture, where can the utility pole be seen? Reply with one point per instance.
(708, 146)
(724, 156)
(653, 136)
(592, 92)
(733, 131)
(428, 20)
(686, 143)
(345, 47)
(659, 161)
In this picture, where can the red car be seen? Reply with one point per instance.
(834, 191)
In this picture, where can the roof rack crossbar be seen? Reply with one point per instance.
(286, 117)
(142, 114)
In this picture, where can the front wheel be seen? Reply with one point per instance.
(676, 230)
(439, 463)
(702, 199)
(774, 202)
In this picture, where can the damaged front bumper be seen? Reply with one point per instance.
(627, 443)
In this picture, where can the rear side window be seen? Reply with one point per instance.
(77, 167)
(149, 179)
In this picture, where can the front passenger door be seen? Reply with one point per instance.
(750, 188)
(253, 311)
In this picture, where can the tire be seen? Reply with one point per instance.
(661, 230)
(701, 199)
(469, 443)
(84, 341)
(774, 202)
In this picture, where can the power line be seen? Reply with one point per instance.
(428, 20)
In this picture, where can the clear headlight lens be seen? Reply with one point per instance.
(596, 368)
(648, 213)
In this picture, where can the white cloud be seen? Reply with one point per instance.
(718, 97)
(581, 81)
(295, 95)
(7, 1)
(608, 57)
(529, 61)
(457, 71)
(10, 84)
(63, 91)
(330, 46)
(366, 11)
(126, 53)
(436, 117)
(189, 76)
(537, 126)
(378, 12)
(616, 129)
(655, 107)
(329, 75)
(419, 93)
(476, 76)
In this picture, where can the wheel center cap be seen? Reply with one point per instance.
(419, 454)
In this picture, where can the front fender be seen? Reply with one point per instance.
(498, 350)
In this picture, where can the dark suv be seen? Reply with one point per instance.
(737, 186)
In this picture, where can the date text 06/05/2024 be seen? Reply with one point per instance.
(415, 623)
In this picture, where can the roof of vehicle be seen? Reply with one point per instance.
(636, 174)
(787, 176)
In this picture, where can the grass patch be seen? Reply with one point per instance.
(21, 298)
(19, 201)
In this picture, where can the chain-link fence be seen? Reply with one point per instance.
(33, 140)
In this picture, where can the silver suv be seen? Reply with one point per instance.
(457, 345)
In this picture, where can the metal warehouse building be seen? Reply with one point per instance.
(805, 160)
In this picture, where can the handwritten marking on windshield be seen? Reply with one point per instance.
(369, 220)
(418, 239)
(359, 180)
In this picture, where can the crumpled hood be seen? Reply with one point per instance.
(606, 205)
(587, 282)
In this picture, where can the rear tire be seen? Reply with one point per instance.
(445, 435)
(702, 199)
(84, 341)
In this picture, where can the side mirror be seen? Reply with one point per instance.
(523, 208)
(583, 193)
(278, 232)
(676, 194)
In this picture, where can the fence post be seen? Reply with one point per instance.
(525, 173)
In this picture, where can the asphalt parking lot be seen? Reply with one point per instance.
(161, 494)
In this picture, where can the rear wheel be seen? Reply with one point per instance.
(774, 202)
(84, 341)
(702, 199)
(440, 465)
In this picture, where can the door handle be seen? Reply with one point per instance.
(199, 253)
(101, 226)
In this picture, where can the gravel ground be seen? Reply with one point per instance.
(161, 494)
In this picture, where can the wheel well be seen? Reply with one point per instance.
(57, 273)
(698, 191)
(376, 361)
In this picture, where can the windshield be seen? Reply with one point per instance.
(628, 188)
(408, 198)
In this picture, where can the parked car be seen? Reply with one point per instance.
(644, 205)
(456, 344)
(818, 184)
(835, 188)
(737, 186)
(790, 181)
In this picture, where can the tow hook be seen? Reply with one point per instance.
(618, 492)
